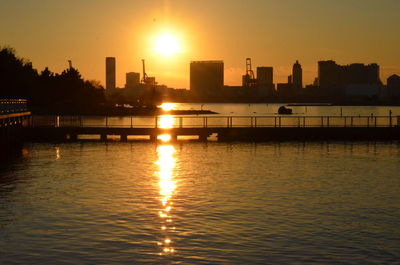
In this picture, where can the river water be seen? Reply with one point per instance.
(202, 203)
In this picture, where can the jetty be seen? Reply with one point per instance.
(14, 119)
(221, 128)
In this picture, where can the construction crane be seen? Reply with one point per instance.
(248, 79)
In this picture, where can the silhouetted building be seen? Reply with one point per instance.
(265, 81)
(354, 80)
(110, 73)
(362, 91)
(132, 80)
(206, 78)
(284, 90)
(360, 74)
(234, 91)
(151, 80)
(331, 74)
(297, 75)
(328, 74)
(393, 85)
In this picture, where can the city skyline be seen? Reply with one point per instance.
(272, 33)
(199, 132)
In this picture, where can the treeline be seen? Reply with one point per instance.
(48, 92)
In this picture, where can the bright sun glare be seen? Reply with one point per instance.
(167, 106)
(167, 44)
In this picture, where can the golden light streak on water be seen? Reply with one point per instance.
(58, 156)
(164, 137)
(167, 187)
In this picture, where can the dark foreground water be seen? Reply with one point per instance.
(201, 203)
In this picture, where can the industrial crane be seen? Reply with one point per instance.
(249, 80)
(144, 80)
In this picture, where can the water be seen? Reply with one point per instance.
(272, 109)
(201, 203)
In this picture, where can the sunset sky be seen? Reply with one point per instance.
(271, 32)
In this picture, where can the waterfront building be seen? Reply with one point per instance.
(354, 80)
(290, 80)
(362, 91)
(265, 81)
(132, 80)
(360, 74)
(328, 74)
(331, 74)
(393, 85)
(284, 90)
(206, 78)
(110, 73)
(297, 75)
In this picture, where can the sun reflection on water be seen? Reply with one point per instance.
(57, 149)
(167, 186)
(164, 137)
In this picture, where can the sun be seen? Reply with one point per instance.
(167, 45)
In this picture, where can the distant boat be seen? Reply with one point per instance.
(284, 110)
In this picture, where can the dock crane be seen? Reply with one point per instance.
(147, 80)
(145, 77)
(150, 96)
(248, 79)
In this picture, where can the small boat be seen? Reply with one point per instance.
(284, 110)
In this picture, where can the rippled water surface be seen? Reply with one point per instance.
(201, 203)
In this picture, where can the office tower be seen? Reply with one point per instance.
(297, 75)
(110, 72)
(206, 78)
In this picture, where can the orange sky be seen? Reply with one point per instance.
(271, 32)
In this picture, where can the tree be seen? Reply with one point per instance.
(47, 92)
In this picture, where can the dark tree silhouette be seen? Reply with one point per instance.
(17, 77)
(47, 92)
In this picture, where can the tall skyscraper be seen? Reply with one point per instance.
(297, 76)
(206, 78)
(110, 72)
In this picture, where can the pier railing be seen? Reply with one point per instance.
(168, 121)
(8, 106)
